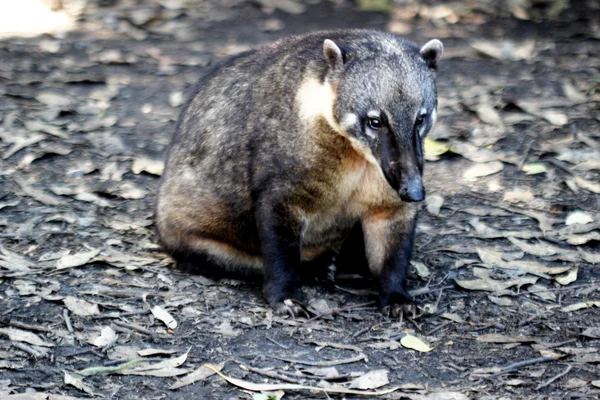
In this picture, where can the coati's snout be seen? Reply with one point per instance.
(413, 190)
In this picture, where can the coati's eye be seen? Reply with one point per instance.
(420, 119)
(375, 124)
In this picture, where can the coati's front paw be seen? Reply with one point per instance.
(396, 303)
(293, 308)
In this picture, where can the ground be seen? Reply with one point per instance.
(506, 260)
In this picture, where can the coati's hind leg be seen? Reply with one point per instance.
(280, 238)
(389, 243)
(202, 264)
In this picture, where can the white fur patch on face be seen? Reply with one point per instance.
(422, 112)
(348, 121)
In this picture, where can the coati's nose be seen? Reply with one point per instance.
(413, 190)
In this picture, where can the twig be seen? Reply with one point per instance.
(527, 149)
(68, 321)
(110, 370)
(339, 310)
(360, 332)
(516, 366)
(424, 291)
(549, 381)
(26, 348)
(134, 327)
(437, 328)
(562, 166)
(283, 346)
(269, 374)
(28, 327)
(320, 363)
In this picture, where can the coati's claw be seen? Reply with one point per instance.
(396, 310)
(291, 307)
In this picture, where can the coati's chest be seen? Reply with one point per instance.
(355, 190)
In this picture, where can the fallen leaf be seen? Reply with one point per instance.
(499, 338)
(493, 258)
(151, 166)
(198, 375)
(77, 381)
(413, 342)
(542, 292)
(421, 269)
(569, 277)
(580, 306)
(489, 115)
(153, 352)
(588, 165)
(54, 99)
(453, 317)
(434, 204)
(81, 307)
(534, 168)
(107, 336)
(541, 249)
(587, 185)
(19, 335)
(434, 149)
(164, 316)
(592, 332)
(163, 368)
(501, 301)
(587, 358)
(518, 196)
(483, 169)
(76, 260)
(371, 380)
(592, 258)
(579, 217)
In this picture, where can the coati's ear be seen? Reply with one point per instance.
(333, 55)
(432, 52)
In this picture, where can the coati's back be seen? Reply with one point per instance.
(244, 132)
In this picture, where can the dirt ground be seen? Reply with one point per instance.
(506, 261)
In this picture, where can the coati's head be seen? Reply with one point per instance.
(385, 97)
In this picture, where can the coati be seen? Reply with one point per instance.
(308, 145)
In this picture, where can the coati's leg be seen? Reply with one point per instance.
(389, 243)
(280, 238)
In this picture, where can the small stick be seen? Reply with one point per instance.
(68, 321)
(28, 327)
(26, 349)
(360, 332)
(549, 381)
(520, 364)
(527, 149)
(437, 328)
(269, 374)
(134, 327)
(320, 363)
(424, 291)
(339, 310)
(283, 346)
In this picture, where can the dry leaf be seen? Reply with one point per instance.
(541, 249)
(569, 277)
(163, 368)
(587, 185)
(371, 380)
(493, 258)
(421, 269)
(483, 169)
(580, 306)
(542, 292)
(501, 301)
(107, 336)
(164, 316)
(592, 258)
(19, 335)
(518, 196)
(499, 338)
(77, 381)
(144, 164)
(587, 358)
(76, 260)
(453, 317)
(434, 149)
(198, 375)
(588, 165)
(434, 204)
(489, 115)
(534, 168)
(81, 307)
(592, 332)
(153, 352)
(578, 217)
(413, 342)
